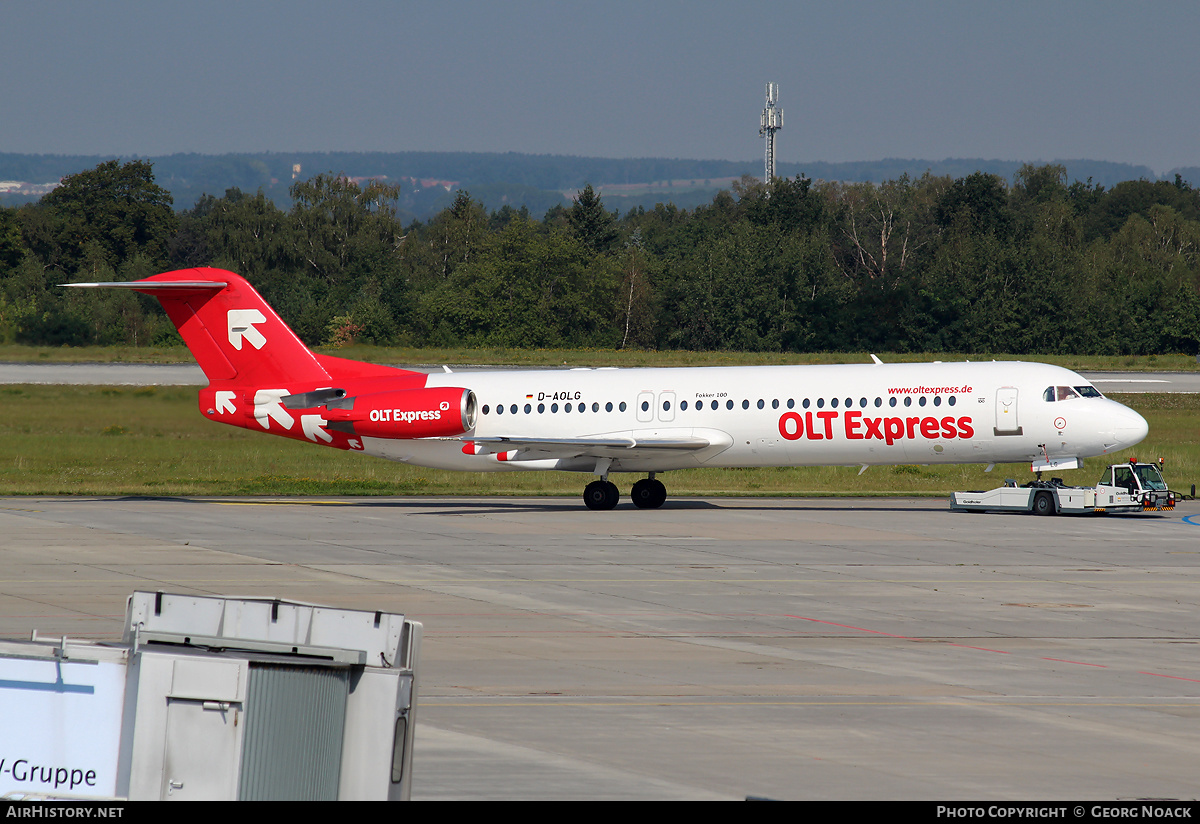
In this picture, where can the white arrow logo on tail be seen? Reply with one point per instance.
(225, 401)
(267, 408)
(311, 424)
(241, 325)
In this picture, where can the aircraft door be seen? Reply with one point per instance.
(666, 406)
(645, 406)
(1006, 412)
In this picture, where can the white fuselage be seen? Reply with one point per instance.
(869, 414)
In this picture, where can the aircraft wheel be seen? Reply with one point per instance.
(601, 495)
(614, 494)
(648, 493)
(1043, 504)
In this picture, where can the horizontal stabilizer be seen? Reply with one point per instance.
(176, 287)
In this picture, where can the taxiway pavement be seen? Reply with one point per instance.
(723, 648)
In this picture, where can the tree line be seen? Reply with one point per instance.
(966, 264)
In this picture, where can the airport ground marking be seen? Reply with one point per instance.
(1164, 675)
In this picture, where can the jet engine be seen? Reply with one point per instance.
(439, 412)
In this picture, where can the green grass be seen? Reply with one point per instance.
(18, 353)
(15, 353)
(65, 440)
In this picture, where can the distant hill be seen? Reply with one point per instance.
(1101, 172)
(429, 180)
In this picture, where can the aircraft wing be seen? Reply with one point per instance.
(625, 445)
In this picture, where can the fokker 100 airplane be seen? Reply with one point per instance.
(603, 421)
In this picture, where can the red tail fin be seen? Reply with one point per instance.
(234, 335)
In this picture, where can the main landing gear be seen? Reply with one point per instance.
(601, 495)
(647, 493)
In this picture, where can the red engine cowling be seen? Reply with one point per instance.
(406, 413)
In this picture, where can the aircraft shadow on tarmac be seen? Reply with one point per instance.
(448, 506)
(485, 505)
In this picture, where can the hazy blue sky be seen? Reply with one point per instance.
(858, 80)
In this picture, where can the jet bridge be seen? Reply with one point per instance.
(216, 699)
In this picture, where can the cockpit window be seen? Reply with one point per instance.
(1088, 391)
(1061, 393)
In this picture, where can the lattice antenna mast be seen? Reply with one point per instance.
(771, 122)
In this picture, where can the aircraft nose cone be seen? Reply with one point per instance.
(1129, 427)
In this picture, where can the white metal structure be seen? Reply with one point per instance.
(215, 699)
(770, 122)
